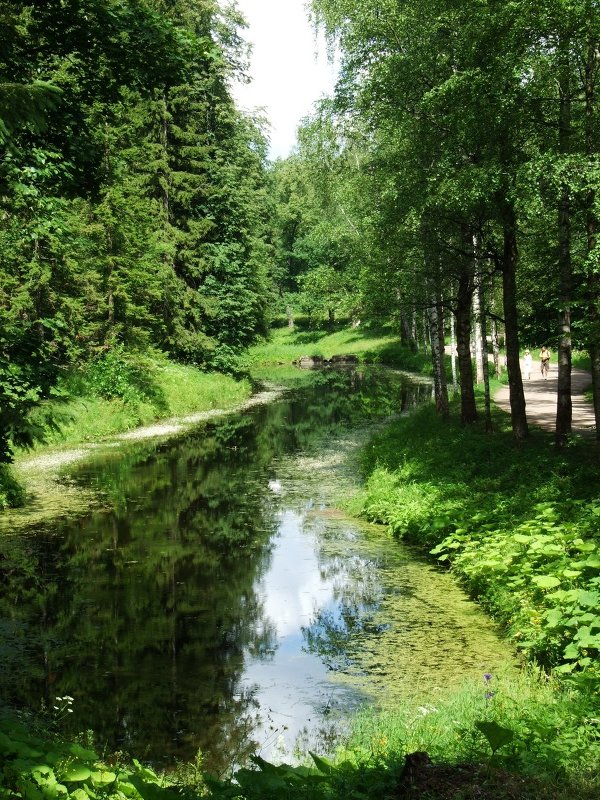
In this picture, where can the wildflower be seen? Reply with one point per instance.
(489, 695)
(487, 677)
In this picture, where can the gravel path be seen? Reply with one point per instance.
(540, 399)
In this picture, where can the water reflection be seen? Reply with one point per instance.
(205, 607)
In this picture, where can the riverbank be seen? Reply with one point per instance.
(517, 526)
(369, 346)
(101, 411)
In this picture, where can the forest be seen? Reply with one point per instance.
(133, 193)
(455, 169)
(447, 194)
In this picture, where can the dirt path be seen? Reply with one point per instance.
(540, 399)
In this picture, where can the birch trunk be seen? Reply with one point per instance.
(479, 294)
(496, 349)
(478, 331)
(436, 333)
(468, 409)
(453, 350)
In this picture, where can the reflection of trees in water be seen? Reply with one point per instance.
(146, 613)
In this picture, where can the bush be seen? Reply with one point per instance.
(117, 373)
(12, 493)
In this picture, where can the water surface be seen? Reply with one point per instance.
(219, 601)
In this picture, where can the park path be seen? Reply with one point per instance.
(540, 399)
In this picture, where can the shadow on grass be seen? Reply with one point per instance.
(309, 335)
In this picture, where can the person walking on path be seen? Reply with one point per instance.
(544, 361)
(527, 361)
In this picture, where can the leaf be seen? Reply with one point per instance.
(323, 765)
(571, 651)
(554, 617)
(588, 599)
(29, 790)
(584, 547)
(566, 668)
(546, 581)
(496, 735)
(81, 752)
(103, 777)
(152, 791)
(76, 773)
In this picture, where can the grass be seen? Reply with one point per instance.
(546, 733)
(176, 390)
(286, 345)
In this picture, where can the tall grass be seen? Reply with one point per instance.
(553, 729)
(162, 389)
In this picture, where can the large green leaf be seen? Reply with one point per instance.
(76, 773)
(496, 735)
(546, 581)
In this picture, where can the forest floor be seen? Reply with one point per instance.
(540, 399)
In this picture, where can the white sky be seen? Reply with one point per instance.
(289, 67)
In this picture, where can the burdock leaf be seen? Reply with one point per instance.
(496, 735)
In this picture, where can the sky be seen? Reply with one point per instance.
(289, 67)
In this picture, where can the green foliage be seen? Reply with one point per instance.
(116, 373)
(12, 494)
(29, 358)
(549, 566)
(40, 767)
(527, 548)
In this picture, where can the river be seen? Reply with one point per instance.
(216, 599)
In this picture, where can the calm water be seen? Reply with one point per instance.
(218, 601)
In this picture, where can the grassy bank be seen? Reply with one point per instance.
(116, 393)
(373, 346)
(518, 525)
(521, 738)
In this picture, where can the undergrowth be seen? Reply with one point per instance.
(518, 524)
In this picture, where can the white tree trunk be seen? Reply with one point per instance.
(480, 350)
(453, 350)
